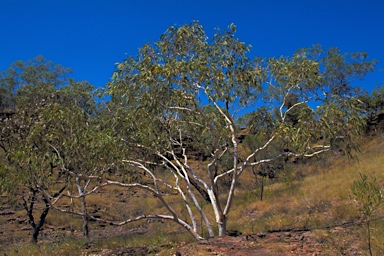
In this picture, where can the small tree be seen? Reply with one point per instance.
(29, 88)
(368, 196)
(52, 136)
(71, 130)
(260, 125)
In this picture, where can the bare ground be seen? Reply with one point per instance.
(282, 243)
(14, 229)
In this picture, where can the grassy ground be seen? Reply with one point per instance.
(314, 195)
(319, 201)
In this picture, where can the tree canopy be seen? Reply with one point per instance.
(178, 98)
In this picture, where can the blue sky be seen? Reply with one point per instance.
(90, 36)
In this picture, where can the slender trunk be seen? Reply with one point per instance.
(35, 234)
(369, 237)
(262, 188)
(220, 219)
(85, 217)
(82, 192)
(29, 209)
(38, 227)
(231, 125)
(223, 226)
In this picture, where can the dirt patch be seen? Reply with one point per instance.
(235, 246)
(284, 243)
(275, 243)
(14, 228)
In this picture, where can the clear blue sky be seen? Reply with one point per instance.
(89, 36)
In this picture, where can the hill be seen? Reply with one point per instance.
(306, 210)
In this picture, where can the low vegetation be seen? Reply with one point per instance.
(317, 198)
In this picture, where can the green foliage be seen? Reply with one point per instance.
(374, 109)
(178, 97)
(310, 78)
(367, 194)
(53, 131)
(182, 93)
(341, 69)
(31, 88)
(258, 121)
(161, 88)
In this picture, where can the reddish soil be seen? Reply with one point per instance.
(14, 229)
(276, 243)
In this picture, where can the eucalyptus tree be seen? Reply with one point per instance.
(25, 87)
(341, 110)
(54, 137)
(29, 87)
(330, 92)
(184, 93)
(70, 130)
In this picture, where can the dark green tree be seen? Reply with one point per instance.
(55, 137)
(374, 109)
(29, 87)
(70, 130)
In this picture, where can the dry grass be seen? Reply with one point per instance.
(314, 196)
(321, 200)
